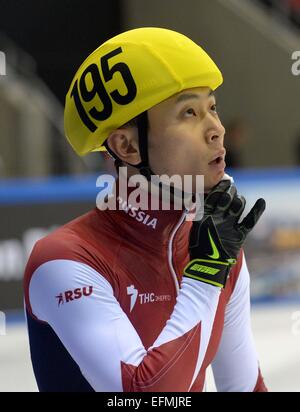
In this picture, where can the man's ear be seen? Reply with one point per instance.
(124, 143)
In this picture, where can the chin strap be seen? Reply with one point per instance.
(143, 166)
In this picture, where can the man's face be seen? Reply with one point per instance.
(186, 137)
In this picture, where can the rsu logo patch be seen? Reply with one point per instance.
(78, 293)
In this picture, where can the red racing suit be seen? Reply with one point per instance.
(108, 309)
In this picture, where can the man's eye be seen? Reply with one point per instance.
(190, 112)
(214, 108)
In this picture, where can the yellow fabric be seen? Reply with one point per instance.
(161, 62)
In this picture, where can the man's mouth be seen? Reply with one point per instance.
(218, 158)
(216, 161)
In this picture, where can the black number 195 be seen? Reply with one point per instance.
(99, 89)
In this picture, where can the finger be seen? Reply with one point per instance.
(253, 216)
(211, 202)
(237, 206)
(226, 199)
(214, 195)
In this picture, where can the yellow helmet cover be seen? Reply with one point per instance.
(128, 75)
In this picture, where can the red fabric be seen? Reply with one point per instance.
(260, 384)
(153, 375)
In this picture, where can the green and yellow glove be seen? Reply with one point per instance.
(215, 240)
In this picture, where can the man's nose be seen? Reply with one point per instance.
(216, 132)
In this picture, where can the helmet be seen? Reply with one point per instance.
(126, 76)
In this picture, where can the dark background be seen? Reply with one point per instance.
(59, 35)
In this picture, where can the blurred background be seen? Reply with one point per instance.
(43, 184)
